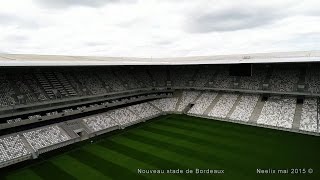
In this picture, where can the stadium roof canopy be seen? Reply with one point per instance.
(59, 60)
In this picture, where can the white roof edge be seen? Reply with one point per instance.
(60, 60)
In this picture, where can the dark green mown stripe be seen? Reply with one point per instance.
(126, 161)
(138, 155)
(48, 171)
(147, 158)
(211, 159)
(207, 154)
(245, 129)
(182, 162)
(214, 130)
(25, 173)
(104, 166)
(77, 169)
(196, 140)
(241, 144)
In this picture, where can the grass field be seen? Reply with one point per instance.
(180, 142)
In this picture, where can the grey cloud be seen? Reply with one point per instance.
(231, 19)
(70, 3)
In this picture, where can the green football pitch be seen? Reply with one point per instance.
(180, 147)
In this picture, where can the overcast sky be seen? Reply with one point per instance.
(158, 28)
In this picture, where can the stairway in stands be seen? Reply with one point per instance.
(178, 94)
(297, 117)
(213, 103)
(257, 111)
(234, 106)
(65, 84)
(28, 146)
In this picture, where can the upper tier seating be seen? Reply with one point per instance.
(159, 75)
(127, 79)
(253, 82)
(181, 76)
(223, 80)
(313, 80)
(284, 80)
(203, 77)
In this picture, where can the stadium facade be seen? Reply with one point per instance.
(46, 102)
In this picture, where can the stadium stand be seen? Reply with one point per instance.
(99, 122)
(223, 106)
(245, 108)
(166, 105)
(181, 76)
(278, 111)
(12, 147)
(223, 80)
(47, 136)
(203, 77)
(309, 115)
(284, 80)
(186, 98)
(144, 110)
(213, 94)
(203, 103)
(124, 116)
(253, 82)
(313, 80)
(159, 75)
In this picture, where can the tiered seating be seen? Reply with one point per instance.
(143, 77)
(127, 78)
(124, 116)
(6, 92)
(12, 147)
(245, 108)
(278, 111)
(26, 96)
(284, 80)
(144, 110)
(223, 106)
(99, 122)
(203, 77)
(35, 87)
(223, 80)
(90, 81)
(186, 98)
(181, 76)
(166, 104)
(253, 82)
(159, 75)
(111, 81)
(308, 120)
(203, 102)
(313, 80)
(64, 84)
(44, 137)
